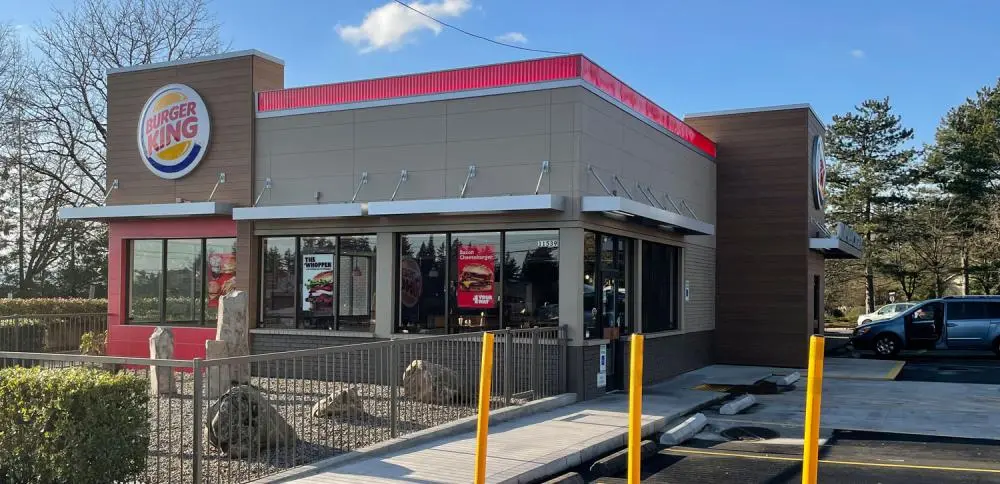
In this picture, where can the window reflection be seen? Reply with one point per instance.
(183, 280)
(146, 281)
(531, 274)
(278, 282)
(422, 272)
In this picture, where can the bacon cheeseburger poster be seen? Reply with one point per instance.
(475, 276)
(317, 283)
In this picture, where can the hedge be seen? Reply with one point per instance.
(78, 425)
(53, 305)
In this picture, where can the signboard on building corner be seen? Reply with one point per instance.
(173, 131)
(817, 161)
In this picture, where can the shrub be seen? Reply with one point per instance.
(94, 343)
(77, 425)
(53, 305)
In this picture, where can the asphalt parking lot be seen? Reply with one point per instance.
(856, 457)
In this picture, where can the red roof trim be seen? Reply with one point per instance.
(612, 86)
(483, 77)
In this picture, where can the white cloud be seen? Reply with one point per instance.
(389, 26)
(512, 38)
(858, 54)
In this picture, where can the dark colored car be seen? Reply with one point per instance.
(965, 322)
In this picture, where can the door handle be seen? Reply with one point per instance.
(952, 325)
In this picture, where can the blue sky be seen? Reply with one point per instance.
(688, 56)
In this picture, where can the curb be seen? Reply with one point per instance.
(420, 437)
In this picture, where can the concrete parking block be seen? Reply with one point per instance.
(684, 430)
(736, 406)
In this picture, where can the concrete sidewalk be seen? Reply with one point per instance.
(526, 449)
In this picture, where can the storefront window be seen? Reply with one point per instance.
(319, 282)
(474, 284)
(279, 282)
(183, 280)
(660, 287)
(356, 306)
(486, 280)
(179, 281)
(607, 287)
(531, 275)
(146, 281)
(422, 274)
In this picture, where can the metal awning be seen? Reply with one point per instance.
(647, 214)
(447, 206)
(151, 210)
(300, 212)
(844, 243)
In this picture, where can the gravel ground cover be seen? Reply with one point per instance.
(172, 429)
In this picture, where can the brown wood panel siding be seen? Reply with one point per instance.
(763, 274)
(227, 89)
(699, 271)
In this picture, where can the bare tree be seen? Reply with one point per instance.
(69, 81)
(932, 238)
(984, 272)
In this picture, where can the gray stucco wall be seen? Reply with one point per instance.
(506, 136)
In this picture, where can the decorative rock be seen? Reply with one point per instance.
(161, 347)
(243, 422)
(342, 404)
(428, 382)
(684, 430)
(233, 327)
(219, 378)
(736, 406)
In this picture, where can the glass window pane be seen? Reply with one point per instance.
(422, 263)
(531, 273)
(278, 282)
(221, 273)
(146, 280)
(183, 280)
(356, 308)
(660, 286)
(614, 289)
(475, 280)
(319, 280)
(591, 303)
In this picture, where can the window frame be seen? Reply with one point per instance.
(501, 283)
(162, 310)
(629, 277)
(298, 278)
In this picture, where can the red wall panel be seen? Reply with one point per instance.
(133, 340)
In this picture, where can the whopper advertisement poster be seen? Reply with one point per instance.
(476, 264)
(317, 283)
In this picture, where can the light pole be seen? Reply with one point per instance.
(20, 204)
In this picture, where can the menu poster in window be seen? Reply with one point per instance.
(411, 282)
(221, 277)
(317, 283)
(475, 276)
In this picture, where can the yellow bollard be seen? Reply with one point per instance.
(814, 393)
(635, 409)
(483, 420)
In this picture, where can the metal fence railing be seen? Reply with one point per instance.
(237, 419)
(49, 333)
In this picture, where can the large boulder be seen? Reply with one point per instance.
(161, 347)
(428, 382)
(242, 422)
(341, 404)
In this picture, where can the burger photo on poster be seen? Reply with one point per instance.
(320, 289)
(476, 277)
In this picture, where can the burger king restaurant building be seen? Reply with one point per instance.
(533, 193)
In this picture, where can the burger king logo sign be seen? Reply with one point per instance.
(818, 163)
(173, 131)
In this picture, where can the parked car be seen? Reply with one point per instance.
(885, 312)
(961, 322)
